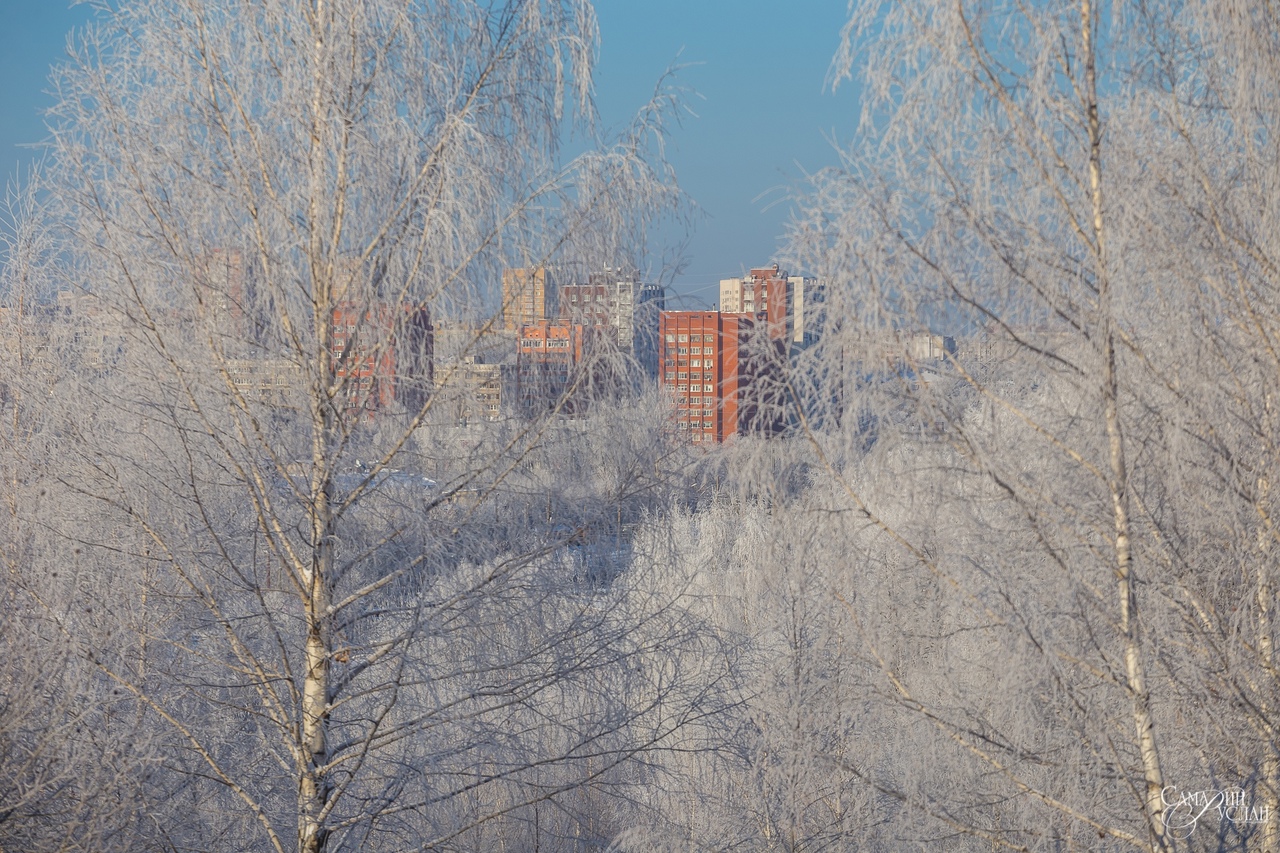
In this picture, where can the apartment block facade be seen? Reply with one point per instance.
(471, 390)
(619, 302)
(529, 296)
(764, 291)
(275, 381)
(793, 303)
(806, 310)
(383, 353)
(719, 369)
(552, 370)
(222, 282)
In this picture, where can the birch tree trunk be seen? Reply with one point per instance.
(1130, 624)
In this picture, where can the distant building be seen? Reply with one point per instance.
(269, 380)
(608, 299)
(555, 366)
(721, 369)
(384, 353)
(474, 370)
(764, 291)
(470, 390)
(618, 301)
(95, 341)
(481, 344)
(806, 310)
(528, 296)
(221, 281)
(917, 347)
(792, 303)
(651, 302)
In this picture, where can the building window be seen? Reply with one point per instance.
(697, 362)
(684, 351)
(683, 338)
(697, 350)
(684, 374)
(671, 338)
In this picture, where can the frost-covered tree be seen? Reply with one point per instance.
(348, 630)
(1061, 186)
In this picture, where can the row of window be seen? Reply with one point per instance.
(248, 381)
(674, 338)
(683, 401)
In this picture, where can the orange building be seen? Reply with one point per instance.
(550, 356)
(384, 352)
(528, 296)
(718, 370)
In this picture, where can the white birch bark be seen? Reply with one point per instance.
(1130, 624)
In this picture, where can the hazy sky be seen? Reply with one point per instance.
(758, 66)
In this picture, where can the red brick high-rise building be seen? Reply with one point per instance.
(719, 370)
(384, 351)
(792, 303)
(765, 291)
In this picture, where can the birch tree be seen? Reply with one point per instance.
(987, 194)
(348, 640)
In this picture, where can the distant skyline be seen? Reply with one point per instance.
(759, 67)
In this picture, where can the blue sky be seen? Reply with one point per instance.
(763, 119)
